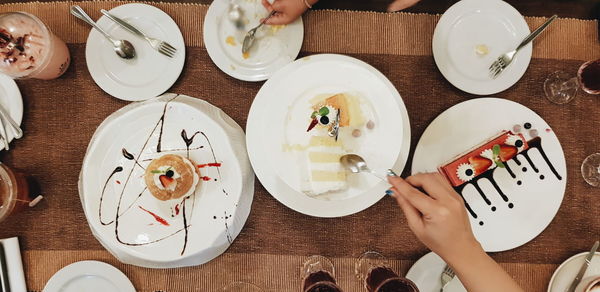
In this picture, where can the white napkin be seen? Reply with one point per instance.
(16, 276)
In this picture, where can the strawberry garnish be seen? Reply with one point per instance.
(507, 152)
(313, 123)
(165, 180)
(480, 164)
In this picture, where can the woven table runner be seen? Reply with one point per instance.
(61, 115)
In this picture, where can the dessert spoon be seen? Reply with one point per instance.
(123, 48)
(249, 39)
(357, 164)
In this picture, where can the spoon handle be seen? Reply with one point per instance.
(78, 12)
(266, 18)
(123, 23)
(17, 132)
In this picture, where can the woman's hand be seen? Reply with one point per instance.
(398, 5)
(287, 10)
(436, 214)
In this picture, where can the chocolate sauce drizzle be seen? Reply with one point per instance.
(136, 159)
(489, 175)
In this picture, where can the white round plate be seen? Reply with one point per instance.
(566, 272)
(271, 123)
(275, 46)
(89, 276)
(174, 233)
(425, 273)
(469, 23)
(10, 98)
(534, 202)
(150, 73)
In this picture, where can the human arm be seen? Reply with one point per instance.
(287, 10)
(398, 5)
(438, 218)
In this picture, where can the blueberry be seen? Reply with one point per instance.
(170, 173)
(324, 120)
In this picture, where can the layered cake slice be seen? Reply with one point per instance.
(324, 173)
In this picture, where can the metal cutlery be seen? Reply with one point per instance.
(446, 276)
(16, 130)
(357, 164)
(236, 15)
(250, 36)
(3, 135)
(159, 45)
(4, 284)
(584, 267)
(504, 60)
(123, 48)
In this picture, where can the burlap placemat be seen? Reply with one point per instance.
(61, 116)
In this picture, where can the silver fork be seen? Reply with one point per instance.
(159, 45)
(446, 277)
(504, 60)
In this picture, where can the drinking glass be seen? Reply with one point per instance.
(372, 269)
(241, 287)
(561, 87)
(17, 191)
(28, 49)
(590, 170)
(318, 274)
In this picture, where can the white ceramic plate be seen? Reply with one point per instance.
(10, 98)
(149, 74)
(534, 202)
(274, 46)
(469, 23)
(149, 232)
(270, 125)
(426, 272)
(566, 272)
(89, 276)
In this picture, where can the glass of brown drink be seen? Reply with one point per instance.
(371, 268)
(16, 190)
(318, 275)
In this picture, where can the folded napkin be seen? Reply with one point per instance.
(16, 276)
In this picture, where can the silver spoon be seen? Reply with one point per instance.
(236, 15)
(16, 130)
(123, 48)
(357, 164)
(249, 39)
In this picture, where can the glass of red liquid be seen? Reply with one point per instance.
(371, 268)
(318, 275)
(17, 192)
(561, 87)
(241, 287)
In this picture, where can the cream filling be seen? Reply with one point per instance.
(194, 175)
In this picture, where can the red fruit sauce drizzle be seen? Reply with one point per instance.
(176, 209)
(118, 182)
(209, 165)
(206, 178)
(156, 217)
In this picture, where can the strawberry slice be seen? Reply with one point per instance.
(507, 152)
(166, 181)
(480, 164)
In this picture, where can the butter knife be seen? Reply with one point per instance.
(4, 284)
(584, 267)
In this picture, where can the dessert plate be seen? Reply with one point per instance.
(10, 98)
(425, 273)
(524, 202)
(283, 101)
(150, 73)
(138, 228)
(275, 46)
(470, 35)
(566, 272)
(91, 276)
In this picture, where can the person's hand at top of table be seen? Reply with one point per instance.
(437, 216)
(290, 10)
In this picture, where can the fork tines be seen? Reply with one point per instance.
(166, 49)
(497, 67)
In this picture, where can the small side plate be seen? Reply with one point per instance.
(90, 276)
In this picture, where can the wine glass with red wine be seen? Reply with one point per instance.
(318, 275)
(241, 287)
(372, 269)
(561, 87)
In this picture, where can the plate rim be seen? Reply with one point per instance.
(467, 85)
(14, 104)
(124, 92)
(216, 54)
(253, 123)
(563, 264)
(75, 269)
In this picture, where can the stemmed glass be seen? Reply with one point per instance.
(241, 287)
(561, 87)
(318, 274)
(372, 269)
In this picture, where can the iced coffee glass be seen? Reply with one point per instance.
(17, 192)
(28, 49)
